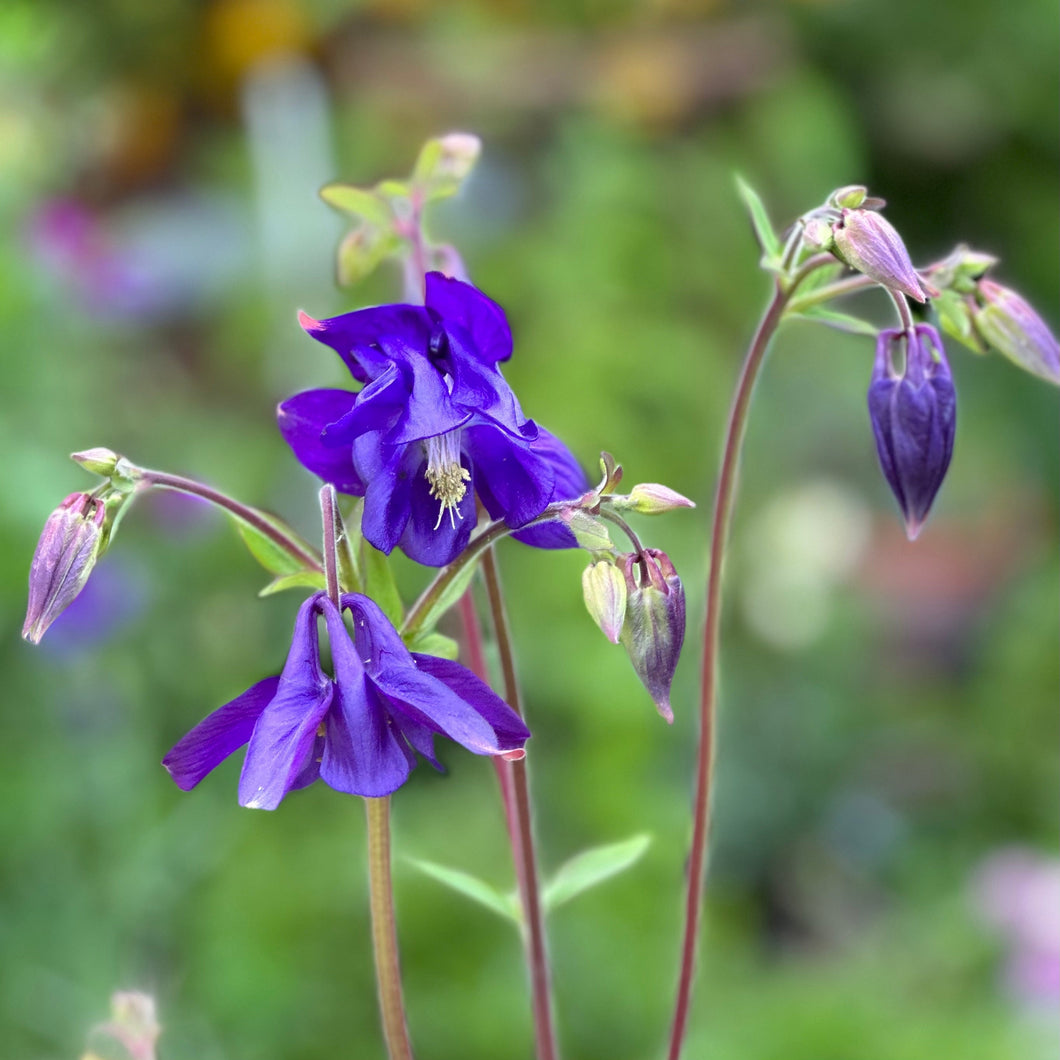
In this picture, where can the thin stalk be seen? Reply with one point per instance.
(384, 930)
(523, 834)
(331, 542)
(828, 291)
(723, 501)
(274, 529)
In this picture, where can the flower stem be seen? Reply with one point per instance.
(384, 931)
(331, 536)
(522, 832)
(723, 502)
(278, 532)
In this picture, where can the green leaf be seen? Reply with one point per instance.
(362, 251)
(379, 583)
(591, 867)
(449, 596)
(434, 643)
(360, 202)
(306, 579)
(956, 320)
(271, 556)
(840, 321)
(767, 238)
(505, 905)
(588, 531)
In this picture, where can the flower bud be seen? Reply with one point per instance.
(849, 197)
(604, 589)
(869, 244)
(914, 416)
(651, 498)
(445, 162)
(1007, 322)
(99, 461)
(69, 546)
(654, 629)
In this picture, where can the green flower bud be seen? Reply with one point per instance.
(651, 498)
(604, 589)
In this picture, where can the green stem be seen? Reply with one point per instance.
(384, 930)
(849, 285)
(723, 502)
(522, 833)
(274, 529)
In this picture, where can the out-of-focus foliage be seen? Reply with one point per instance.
(888, 710)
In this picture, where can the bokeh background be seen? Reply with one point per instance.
(884, 878)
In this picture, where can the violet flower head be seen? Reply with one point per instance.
(433, 425)
(69, 545)
(914, 416)
(870, 244)
(1006, 321)
(357, 730)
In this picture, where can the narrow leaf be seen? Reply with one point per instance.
(505, 905)
(435, 643)
(449, 596)
(271, 556)
(767, 238)
(360, 202)
(379, 583)
(840, 321)
(306, 579)
(591, 867)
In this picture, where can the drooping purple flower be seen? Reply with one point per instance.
(434, 424)
(356, 730)
(914, 416)
(1009, 323)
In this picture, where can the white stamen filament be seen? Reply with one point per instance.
(446, 474)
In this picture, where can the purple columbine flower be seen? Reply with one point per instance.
(358, 730)
(433, 425)
(914, 417)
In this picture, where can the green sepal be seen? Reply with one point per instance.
(271, 556)
(955, 320)
(432, 642)
(362, 251)
(592, 867)
(505, 905)
(772, 249)
(588, 531)
(840, 321)
(303, 579)
(358, 202)
(379, 583)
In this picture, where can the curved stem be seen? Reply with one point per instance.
(522, 833)
(384, 930)
(723, 501)
(848, 285)
(274, 529)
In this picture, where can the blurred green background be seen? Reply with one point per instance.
(885, 842)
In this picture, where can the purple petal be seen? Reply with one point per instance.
(285, 735)
(363, 755)
(513, 480)
(508, 728)
(388, 470)
(484, 389)
(376, 640)
(476, 321)
(378, 407)
(302, 420)
(570, 482)
(430, 410)
(367, 326)
(427, 539)
(218, 735)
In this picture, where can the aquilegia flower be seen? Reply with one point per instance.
(358, 730)
(914, 417)
(433, 425)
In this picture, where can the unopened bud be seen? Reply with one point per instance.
(69, 546)
(914, 419)
(849, 197)
(818, 233)
(99, 461)
(652, 498)
(604, 589)
(654, 629)
(445, 162)
(1007, 322)
(871, 245)
(133, 1025)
